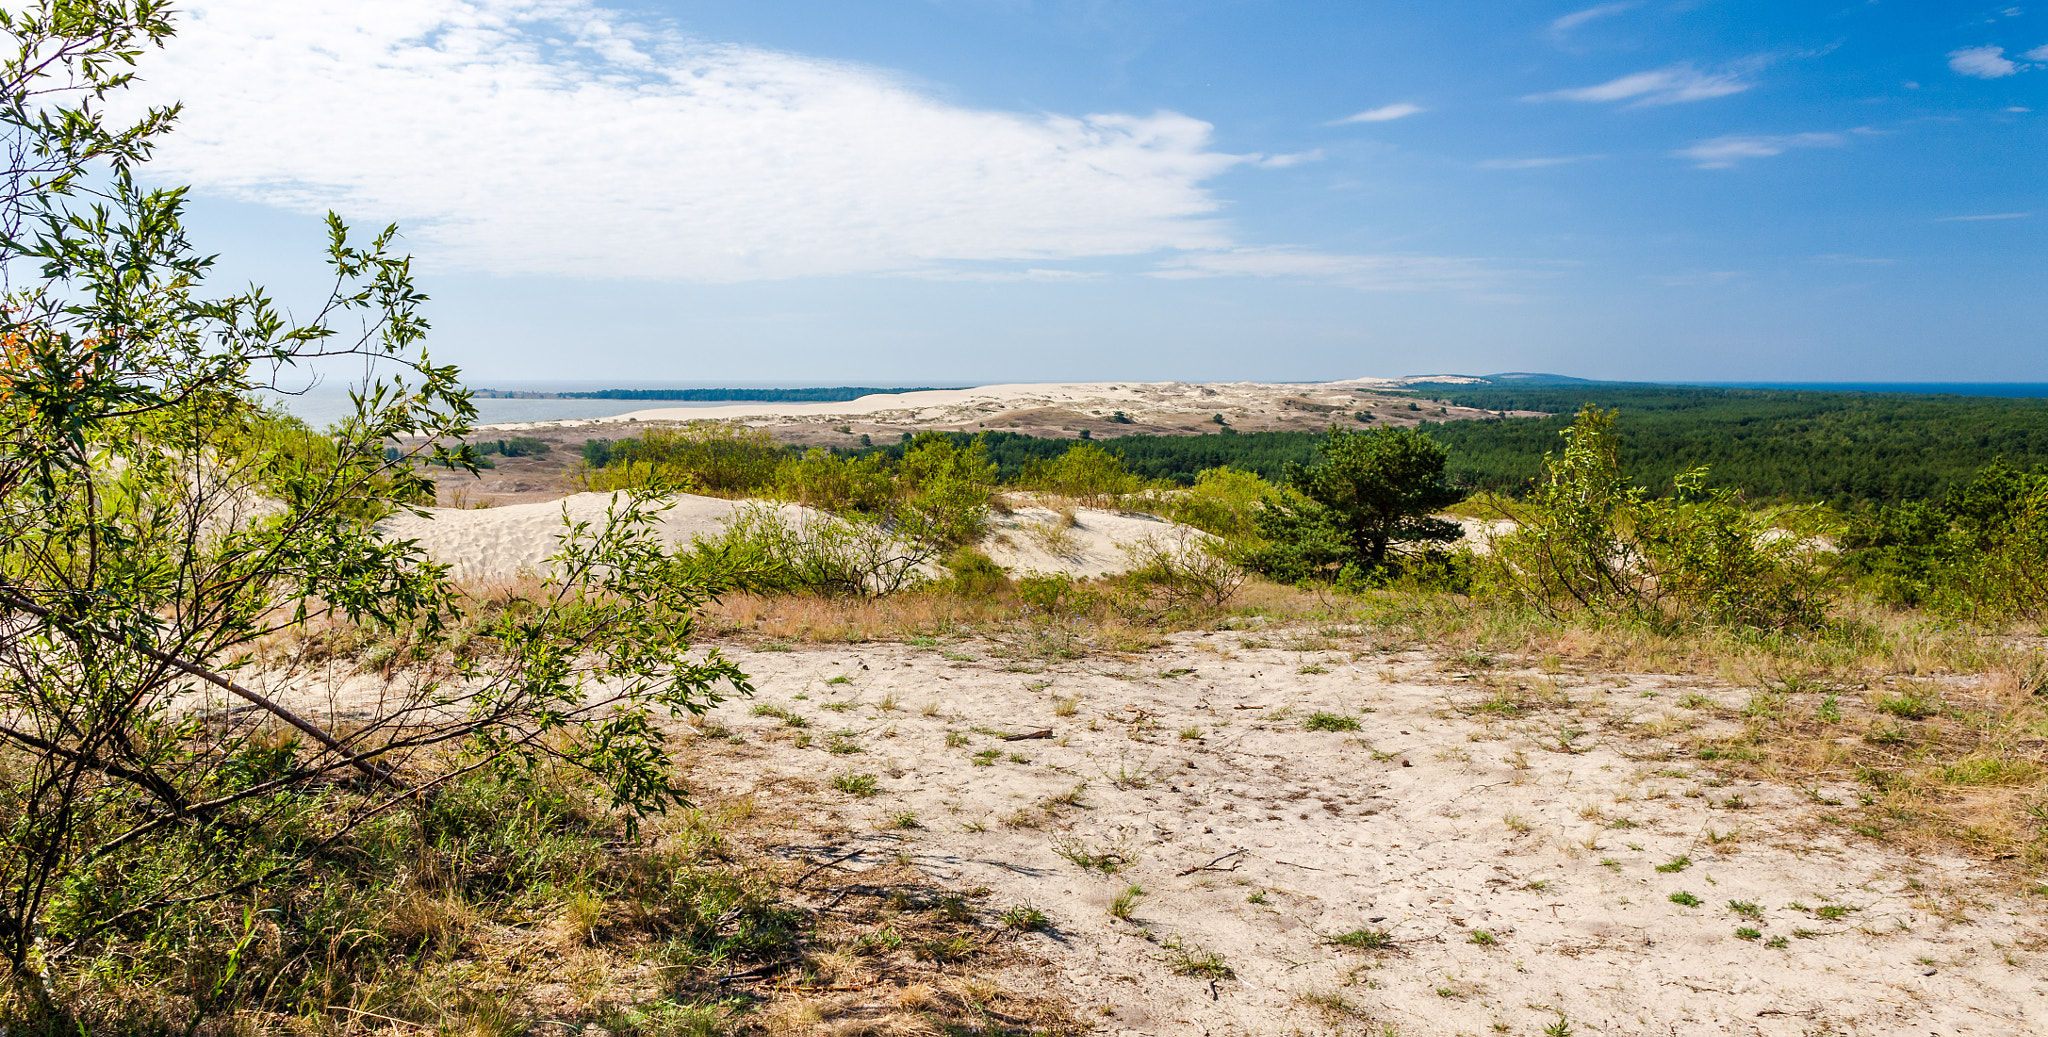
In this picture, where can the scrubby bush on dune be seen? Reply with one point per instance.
(714, 458)
(1588, 541)
(1085, 472)
(822, 479)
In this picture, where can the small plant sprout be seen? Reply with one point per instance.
(861, 785)
(1025, 918)
(1675, 865)
(904, 819)
(1066, 707)
(1126, 902)
(1330, 722)
(1365, 939)
(1258, 896)
(1746, 933)
(1684, 899)
(987, 757)
(1190, 733)
(841, 679)
(1746, 908)
(1482, 938)
(1188, 960)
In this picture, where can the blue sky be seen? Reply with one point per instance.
(961, 191)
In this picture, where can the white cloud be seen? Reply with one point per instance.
(2039, 53)
(1725, 152)
(1981, 62)
(1985, 216)
(1669, 85)
(1391, 272)
(1387, 113)
(1577, 18)
(555, 137)
(1536, 163)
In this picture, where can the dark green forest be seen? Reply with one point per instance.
(1773, 444)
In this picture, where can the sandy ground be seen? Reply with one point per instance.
(482, 543)
(1560, 830)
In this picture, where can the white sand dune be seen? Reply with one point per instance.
(487, 542)
(494, 542)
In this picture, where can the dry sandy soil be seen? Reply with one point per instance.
(1559, 824)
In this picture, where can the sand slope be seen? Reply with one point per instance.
(486, 542)
(493, 542)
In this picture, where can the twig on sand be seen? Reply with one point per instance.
(1045, 733)
(1212, 865)
(855, 852)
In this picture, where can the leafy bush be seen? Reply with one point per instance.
(943, 492)
(835, 483)
(820, 553)
(1589, 541)
(1223, 501)
(716, 458)
(1086, 472)
(1175, 575)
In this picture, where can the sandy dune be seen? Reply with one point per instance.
(504, 541)
(486, 542)
(1049, 408)
(1433, 821)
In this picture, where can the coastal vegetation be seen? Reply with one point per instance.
(265, 770)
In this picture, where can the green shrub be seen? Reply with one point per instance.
(1085, 472)
(717, 458)
(1175, 576)
(1223, 501)
(1373, 491)
(860, 483)
(1588, 541)
(976, 574)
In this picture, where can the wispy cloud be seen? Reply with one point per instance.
(1577, 18)
(1700, 279)
(1984, 216)
(1673, 84)
(1283, 161)
(1726, 152)
(1982, 62)
(2039, 53)
(1390, 272)
(1386, 113)
(1536, 163)
(559, 137)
